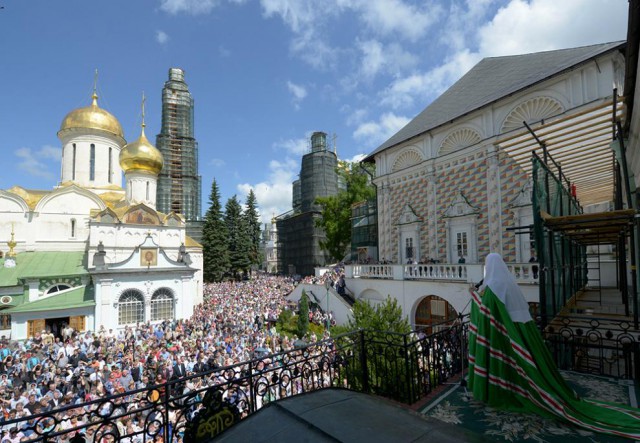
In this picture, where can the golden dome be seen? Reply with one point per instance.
(92, 117)
(141, 155)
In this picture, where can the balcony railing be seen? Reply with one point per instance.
(601, 346)
(471, 273)
(403, 367)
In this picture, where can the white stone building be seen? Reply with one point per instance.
(91, 253)
(456, 180)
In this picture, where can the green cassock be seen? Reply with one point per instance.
(510, 367)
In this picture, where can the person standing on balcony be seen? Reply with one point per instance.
(534, 268)
(461, 261)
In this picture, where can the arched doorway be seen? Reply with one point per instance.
(433, 313)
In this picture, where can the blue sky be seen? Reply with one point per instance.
(265, 74)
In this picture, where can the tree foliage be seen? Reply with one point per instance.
(303, 315)
(230, 239)
(214, 239)
(238, 240)
(336, 210)
(386, 316)
(253, 226)
(386, 352)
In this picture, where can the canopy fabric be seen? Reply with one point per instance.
(579, 140)
(511, 368)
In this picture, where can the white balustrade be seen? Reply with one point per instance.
(523, 272)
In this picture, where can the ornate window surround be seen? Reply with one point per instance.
(460, 214)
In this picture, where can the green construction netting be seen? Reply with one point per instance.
(563, 263)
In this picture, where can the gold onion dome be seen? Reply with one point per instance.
(141, 155)
(92, 117)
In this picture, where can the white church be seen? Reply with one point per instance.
(90, 253)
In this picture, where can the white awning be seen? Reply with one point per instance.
(578, 141)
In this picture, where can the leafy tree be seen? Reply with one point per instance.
(303, 315)
(214, 239)
(253, 225)
(383, 317)
(386, 353)
(336, 210)
(238, 240)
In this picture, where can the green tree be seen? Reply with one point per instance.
(383, 317)
(335, 216)
(303, 315)
(238, 240)
(214, 239)
(386, 352)
(253, 225)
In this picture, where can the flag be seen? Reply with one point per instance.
(510, 367)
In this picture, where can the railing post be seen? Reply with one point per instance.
(407, 376)
(636, 360)
(166, 425)
(363, 363)
(252, 393)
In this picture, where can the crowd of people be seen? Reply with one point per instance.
(235, 323)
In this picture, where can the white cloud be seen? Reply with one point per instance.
(356, 116)
(162, 37)
(378, 57)
(306, 19)
(217, 162)
(403, 92)
(224, 52)
(297, 14)
(373, 133)
(356, 158)
(540, 25)
(52, 152)
(519, 27)
(295, 146)
(397, 17)
(193, 7)
(299, 92)
(31, 162)
(274, 194)
(311, 23)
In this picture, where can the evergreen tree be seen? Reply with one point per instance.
(303, 315)
(214, 239)
(238, 239)
(253, 224)
(335, 217)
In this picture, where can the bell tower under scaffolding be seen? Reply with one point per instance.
(179, 184)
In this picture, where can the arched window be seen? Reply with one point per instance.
(73, 228)
(147, 191)
(73, 165)
(92, 162)
(110, 165)
(162, 305)
(433, 314)
(57, 288)
(131, 307)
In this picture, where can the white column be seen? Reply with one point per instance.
(431, 216)
(494, 200)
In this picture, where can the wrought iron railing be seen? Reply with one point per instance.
(602, 346)
(403, 367)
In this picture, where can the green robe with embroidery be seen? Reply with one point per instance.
(510, 367)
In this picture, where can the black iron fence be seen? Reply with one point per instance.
(601, 346)
(403, 367)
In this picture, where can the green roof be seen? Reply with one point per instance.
(79, 297)
(43, 264)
